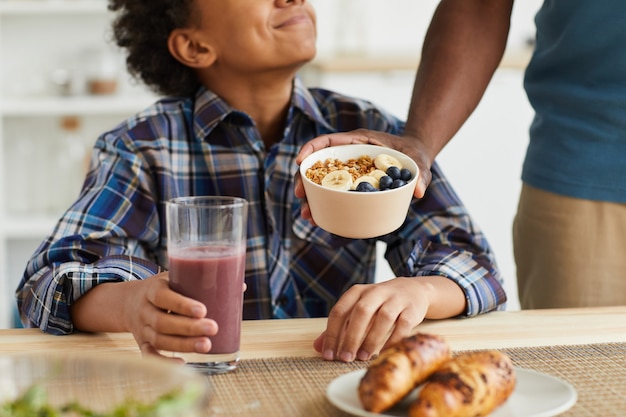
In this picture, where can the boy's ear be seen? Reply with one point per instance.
(190, 50)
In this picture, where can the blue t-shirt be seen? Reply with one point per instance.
(576, 83)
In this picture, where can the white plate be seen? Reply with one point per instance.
(536, 395)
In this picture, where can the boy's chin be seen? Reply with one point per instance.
(304, 59)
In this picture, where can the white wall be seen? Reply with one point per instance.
(484, 162)
(393, 26)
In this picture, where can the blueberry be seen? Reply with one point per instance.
(397, 183)
(365, 187)
(405, 174)
(385, 182)
(393, 172)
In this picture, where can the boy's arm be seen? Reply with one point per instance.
(355, 331)
(110, 234)
(62, 272)
(462, 49)
(158, 318)
(445, 267)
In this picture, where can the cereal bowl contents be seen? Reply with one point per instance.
(359, 191)
(363, 174)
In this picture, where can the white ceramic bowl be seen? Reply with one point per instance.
(102, 384)
(358, 215)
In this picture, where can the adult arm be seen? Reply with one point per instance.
(462, 49)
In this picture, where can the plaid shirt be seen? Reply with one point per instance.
(181, 146)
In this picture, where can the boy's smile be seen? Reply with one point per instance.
(297, 20)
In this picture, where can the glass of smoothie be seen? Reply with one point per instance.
(206, 247)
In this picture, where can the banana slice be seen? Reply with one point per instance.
(338, 180)
(366, 178)
(384, 161)
(377, 173)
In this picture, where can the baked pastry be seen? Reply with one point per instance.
(399, 369)
(471, 384)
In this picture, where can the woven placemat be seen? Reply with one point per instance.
(295, 387)
(597, 372)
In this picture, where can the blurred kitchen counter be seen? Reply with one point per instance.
(512, 59)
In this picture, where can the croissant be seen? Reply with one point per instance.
(470, 385)
(399, 369)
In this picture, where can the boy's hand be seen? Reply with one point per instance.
(161, 319)
(369, 317)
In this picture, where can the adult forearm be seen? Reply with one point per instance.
(462, 49)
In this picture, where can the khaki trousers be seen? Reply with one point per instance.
(569, 252)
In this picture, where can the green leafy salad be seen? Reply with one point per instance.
(34, 403)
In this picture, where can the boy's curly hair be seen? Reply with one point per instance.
(142, 28)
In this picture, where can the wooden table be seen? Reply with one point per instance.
(282, 375)
(290, 338)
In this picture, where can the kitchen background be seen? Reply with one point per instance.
(62, 83)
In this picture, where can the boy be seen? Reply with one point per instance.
(234, 120)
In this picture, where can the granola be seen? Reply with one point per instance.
(357, 167)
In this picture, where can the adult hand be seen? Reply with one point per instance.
(161, 319)
(369, 317)
(411, 146)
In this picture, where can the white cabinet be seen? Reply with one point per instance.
(53, 53)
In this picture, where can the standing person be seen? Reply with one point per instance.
(570, 229)
(232, 122)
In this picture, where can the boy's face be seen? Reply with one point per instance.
(254, 35)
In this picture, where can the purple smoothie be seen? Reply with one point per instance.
(213, 275)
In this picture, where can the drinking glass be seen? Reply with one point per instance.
(206, 247)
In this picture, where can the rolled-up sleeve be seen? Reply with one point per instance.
(109, 234)
(440, 238)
